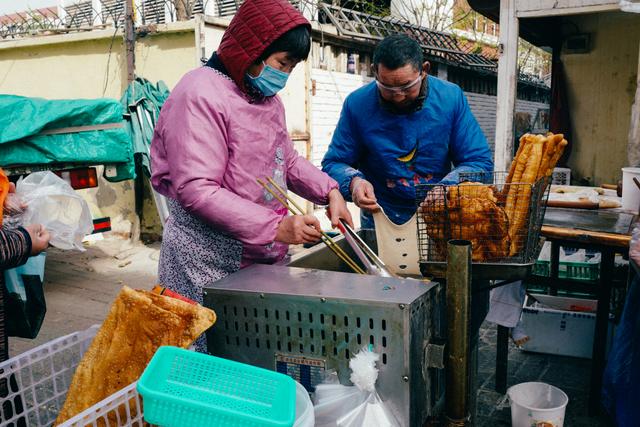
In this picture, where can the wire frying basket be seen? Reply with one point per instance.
(502, 220)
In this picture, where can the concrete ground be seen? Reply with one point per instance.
(81, 286)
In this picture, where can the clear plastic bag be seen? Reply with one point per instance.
(13, 211)
(52, 202)
(353, 406)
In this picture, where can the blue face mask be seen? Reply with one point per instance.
(270, 81)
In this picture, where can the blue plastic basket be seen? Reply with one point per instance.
(184, 388)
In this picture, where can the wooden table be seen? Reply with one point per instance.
(608, 232)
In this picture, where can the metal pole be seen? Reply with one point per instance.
(502, 359)
(458, 295)
(130, 40)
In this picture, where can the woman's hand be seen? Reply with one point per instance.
(297, 229)
(338, 209)
(39, 238)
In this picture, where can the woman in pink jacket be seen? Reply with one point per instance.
(221, 128)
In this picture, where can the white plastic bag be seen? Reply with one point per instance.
(632, 6)
(53, 203)
(545, 253)
(353, 406)
(304, 408)
(578, 256)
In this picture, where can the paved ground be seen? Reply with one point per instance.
(81, 286)
(568, 373)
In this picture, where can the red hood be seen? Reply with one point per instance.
(256, 25)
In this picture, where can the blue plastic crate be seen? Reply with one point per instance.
(181, 388)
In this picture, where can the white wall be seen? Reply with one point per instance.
(331, 89)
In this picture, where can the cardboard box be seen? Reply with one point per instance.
(562, 326)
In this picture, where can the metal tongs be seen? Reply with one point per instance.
(372, 263)
(281, 195)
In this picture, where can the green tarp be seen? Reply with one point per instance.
(35, 131)
(142, 102)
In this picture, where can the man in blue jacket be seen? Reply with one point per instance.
(403, 129)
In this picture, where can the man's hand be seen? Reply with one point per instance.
(338, 209)
(435, 200)
(297, 229)
(39, 238)
(363, 195)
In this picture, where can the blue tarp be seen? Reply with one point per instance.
(621, 385)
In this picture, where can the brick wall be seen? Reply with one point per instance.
(484, 109)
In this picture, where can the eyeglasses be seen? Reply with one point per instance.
(398, 89)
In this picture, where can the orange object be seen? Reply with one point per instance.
(581, 308)
(4, 190)
(160, 290)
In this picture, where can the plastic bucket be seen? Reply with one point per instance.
(537, 404)
(304, 408)
(630, 191)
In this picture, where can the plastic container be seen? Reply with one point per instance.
(39, 380)
(562, 325)
(561, 176)
(184, 388)
(630, 191)
(305, 416)
(537, 404)
(123, 408)
(569, 270)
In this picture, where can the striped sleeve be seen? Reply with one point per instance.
(15, 247)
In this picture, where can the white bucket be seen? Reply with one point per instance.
(537, 404)
(630, 191)
(304, 408)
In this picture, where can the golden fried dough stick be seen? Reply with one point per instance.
(473, 190)
(530, 173)
(472, 214)
(550, 149)
(137, 324)
(520, 213)
(512, 188)
(556, 156)
(512, 169)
